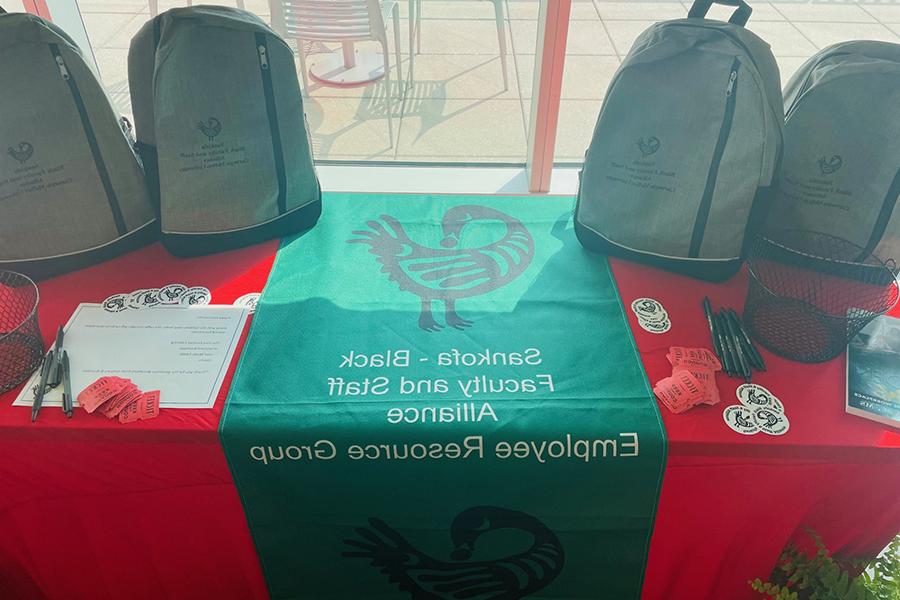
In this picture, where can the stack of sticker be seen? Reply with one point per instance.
(120, 398)
(693, 379)
(651, 315)
(759, 411)
(174, 294)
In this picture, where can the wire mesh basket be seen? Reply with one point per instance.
(21, 344)
(810, 293)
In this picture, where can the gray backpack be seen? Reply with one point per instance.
(841, 173)
(220, 125)
(685, 150)
(72, 191)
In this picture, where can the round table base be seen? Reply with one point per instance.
(331, 69)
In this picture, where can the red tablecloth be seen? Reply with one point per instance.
(730, 502)
(91, 509)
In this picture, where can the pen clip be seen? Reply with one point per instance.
(47, 368)
(54, 377)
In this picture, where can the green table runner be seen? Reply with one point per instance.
(440, 399)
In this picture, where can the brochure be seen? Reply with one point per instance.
(873, 372)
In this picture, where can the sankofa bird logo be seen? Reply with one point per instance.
(423, 577)
(758, 398)
(451, 272)
(210, 128)
(831, 165)
(22, 152)
(648, 147)
(770, 417)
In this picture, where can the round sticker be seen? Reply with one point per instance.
(116, 303)
(741, 419)
(648, 308)
(171, 293)
(754, 395)
(655, 326)
(248, 301)
(195, 296)
(143, 298)
(771, 422)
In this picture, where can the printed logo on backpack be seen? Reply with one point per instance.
(832, 165)
(210, 128)
(649, 147)
(22, 152)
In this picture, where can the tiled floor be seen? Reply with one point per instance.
(456, 108)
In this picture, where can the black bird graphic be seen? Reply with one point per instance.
(758, 398)
(770, 417)
(210, 128)
(22, 152)
(740, 420)
(426, 578)
(649, 147)
(829, 166)
(449, 273)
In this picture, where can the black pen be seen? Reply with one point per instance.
(728, 346)
(717, 344)
(738, 346)
(67, 403)
(755, 356)
(742, 338)
(728, 364)
(42, 386)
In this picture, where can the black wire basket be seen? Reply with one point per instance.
(810, 293)
(21, 344)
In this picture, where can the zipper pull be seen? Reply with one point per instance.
(263, 59)
(63, 71)
(730, 89)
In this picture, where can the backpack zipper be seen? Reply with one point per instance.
(884, 217)
(709, 190)
(66, 76)
(262, 49)
(769, 111)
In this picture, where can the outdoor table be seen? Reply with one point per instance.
(93, 509)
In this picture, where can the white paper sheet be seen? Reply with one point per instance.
(182, 351)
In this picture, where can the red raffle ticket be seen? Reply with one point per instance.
(679, 392)
(100, 391)
(707, 381)
(145, 407)
(693, 357)
(112, 407)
